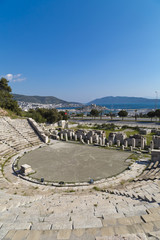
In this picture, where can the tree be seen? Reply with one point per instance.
(157, 113)
(79, 115)
(94, 113)
(100, 114)
(111, 115)
(46, 115)
(135, 114)
(51, 115)
(151, 114)
(4, 85)
(64, 115)
(123, 114)
(6, 98)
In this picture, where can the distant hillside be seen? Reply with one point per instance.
(41, 99)
(122, 100)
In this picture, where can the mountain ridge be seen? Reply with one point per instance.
(41, 99)
(98, 101)
(121, 100)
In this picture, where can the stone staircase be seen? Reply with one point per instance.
(15, 135)
(137, 227)
(62, 216)
(152, 172)
(23, 129)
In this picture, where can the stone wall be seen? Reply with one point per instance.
(38, 130)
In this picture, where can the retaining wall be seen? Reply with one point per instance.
(38, 130)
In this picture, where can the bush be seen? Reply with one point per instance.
(42, 115)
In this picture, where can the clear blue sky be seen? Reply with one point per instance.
(79, 50)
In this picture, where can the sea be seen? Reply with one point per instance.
(113, 107)
(131, 106)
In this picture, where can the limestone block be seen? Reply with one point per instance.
(26, 169)
(64, 234)
(86, 221)
(41, 226)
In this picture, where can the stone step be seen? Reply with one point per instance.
(138, 230)
(153, 210)
(156, 164)
(157, 197)
(151, 217)
(139, 236)
(122, 221)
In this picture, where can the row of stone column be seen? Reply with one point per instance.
(99, 140)
(102, 141)
(71, 137)
(126, 143)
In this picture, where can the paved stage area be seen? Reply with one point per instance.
(72, 162)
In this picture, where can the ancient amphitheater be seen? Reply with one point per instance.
(125, 206)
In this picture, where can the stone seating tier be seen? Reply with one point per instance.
(129, 209)
(15, 135)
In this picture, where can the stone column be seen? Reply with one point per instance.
(142, 143)
(152, 145)
(97, 139)
(126, 143)
(61, 136)
(80, 138)
(103, 141)
(75, 137)
(118, 143)
(133, 142)
(131, 148)
(66, 137)
(122, 148)
(100, 141)
(107, 144)
(70, 135)
(91, 140)
(110, 143)
(87, 141)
